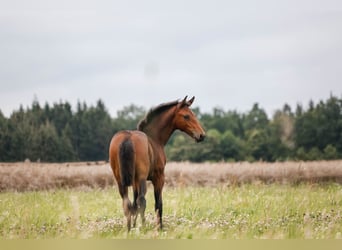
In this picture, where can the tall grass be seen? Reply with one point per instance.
(46, 176)
(234, 212)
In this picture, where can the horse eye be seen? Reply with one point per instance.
(187, 117)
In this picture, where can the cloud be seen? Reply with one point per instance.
(229, 54)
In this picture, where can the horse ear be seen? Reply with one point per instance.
(191, 101)
(184, 102)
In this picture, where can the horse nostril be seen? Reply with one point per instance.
(201, 137)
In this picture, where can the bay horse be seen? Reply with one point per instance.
(138, 155)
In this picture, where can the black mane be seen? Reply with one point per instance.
(153, 113)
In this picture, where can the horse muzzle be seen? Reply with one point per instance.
(199, 137)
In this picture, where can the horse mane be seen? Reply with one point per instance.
(153, 112)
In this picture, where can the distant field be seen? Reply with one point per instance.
(83, 175)
(211, 201)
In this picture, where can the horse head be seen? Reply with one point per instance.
(186, 120)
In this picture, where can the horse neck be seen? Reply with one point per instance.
(161, 128)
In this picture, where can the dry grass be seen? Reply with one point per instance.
(83, 175)
(212, 174)
(46, 176)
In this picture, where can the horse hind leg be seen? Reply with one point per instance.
(127, 205)
(140, 202)
(135, 205)
(127, 210)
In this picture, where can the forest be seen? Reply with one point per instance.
(58, 133)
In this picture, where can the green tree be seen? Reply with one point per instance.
(128, 117)
(67, 152)
(231, 146)
(94, 131)
(185, 149)
(320, 125)
(56, 133)
(212, 144)
(314, 154)
(258, 145)
(45, 144)
(330, 152)
(4, 138)
(178, 150)
(301, 154)
(223, 121)
(255, 119)
(20, 129)
(331, 124)
(305, 130)
(60, 115)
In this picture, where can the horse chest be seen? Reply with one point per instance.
(156, 171)
(157, 161)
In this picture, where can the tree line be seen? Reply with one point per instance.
(56, 133)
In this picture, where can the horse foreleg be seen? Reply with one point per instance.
(159, 204)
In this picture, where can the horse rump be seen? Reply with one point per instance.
(126, 156)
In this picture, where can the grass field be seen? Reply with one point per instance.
(244, 211)
(208, 201)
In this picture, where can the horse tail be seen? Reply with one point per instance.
(126, 156)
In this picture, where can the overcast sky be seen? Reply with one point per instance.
(228, 54)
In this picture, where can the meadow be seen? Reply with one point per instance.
(206, 201)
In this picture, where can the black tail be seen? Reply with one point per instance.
(126, 155)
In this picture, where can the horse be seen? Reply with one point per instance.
(138, 156)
